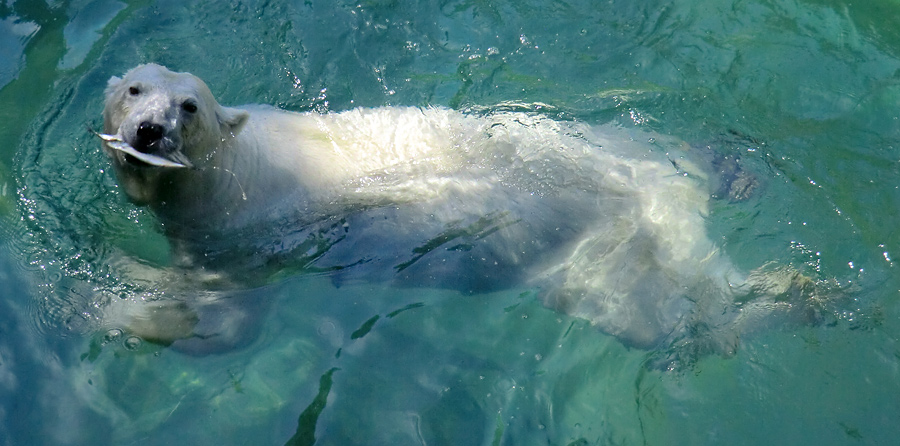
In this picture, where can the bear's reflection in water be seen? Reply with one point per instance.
(608, 225)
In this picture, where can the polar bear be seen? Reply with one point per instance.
(605, 224)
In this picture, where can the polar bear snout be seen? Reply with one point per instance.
(148, 137)
(161, 142)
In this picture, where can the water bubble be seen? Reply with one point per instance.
(133, 343)
(112, 335)
(326, 328)
(504, 385)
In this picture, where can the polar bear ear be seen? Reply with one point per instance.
(232, 120)
(112, 85)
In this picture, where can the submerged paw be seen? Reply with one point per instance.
(164, 322)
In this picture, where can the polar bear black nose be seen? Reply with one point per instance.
(147, 134)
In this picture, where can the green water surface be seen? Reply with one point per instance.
(804, 92)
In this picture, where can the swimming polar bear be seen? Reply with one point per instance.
(605, 224)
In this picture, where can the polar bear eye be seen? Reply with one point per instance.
(189, 107)
(134, 91)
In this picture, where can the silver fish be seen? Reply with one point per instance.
(117, 143)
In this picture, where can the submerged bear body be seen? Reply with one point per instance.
(605, 224)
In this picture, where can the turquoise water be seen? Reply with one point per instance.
(805, 92)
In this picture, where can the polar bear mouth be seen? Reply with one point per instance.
(141, 159)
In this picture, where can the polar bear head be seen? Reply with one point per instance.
(170, 115)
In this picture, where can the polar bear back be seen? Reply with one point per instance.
(402, 155)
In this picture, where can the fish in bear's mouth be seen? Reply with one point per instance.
(140, 159)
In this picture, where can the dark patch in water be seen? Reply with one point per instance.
(365, 327)
(408, 307)
(306, 424)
